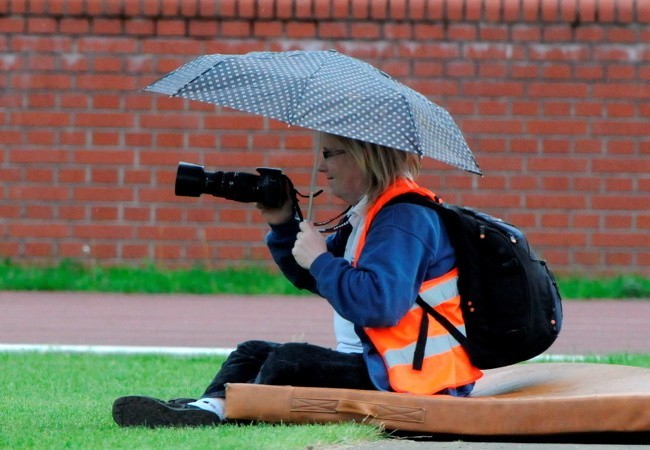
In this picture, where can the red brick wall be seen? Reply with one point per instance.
(551, 95)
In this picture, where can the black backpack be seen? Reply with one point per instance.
(509, 299)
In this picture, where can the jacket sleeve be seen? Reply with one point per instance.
(280, 241)
(406, 245)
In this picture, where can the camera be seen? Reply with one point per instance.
(268, 188)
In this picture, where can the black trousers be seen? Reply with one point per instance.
(294, 364)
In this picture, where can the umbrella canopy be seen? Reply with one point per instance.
(324, 91)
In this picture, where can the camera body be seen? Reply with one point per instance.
(268, 188)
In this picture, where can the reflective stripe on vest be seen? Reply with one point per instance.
(435, 346)
(445, 364)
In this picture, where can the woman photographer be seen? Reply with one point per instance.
(370, 270)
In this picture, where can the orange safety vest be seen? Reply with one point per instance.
(446, 363)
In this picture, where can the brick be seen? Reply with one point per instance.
(104, 213)
(101, 194)
(607, 10)
(138, 26)
(461, 32)
(622, 35)
(202, 28)
(332, 30)
(360, 9)
(107, 176)
(22, 229)
(103, 156)
(634, 240)
(132, 214)
(621, 165)
(43, 25)
(526, 32)
(531, 10)
(105, 119)
(170, 27)
(557, 90)
(163, 121)
(136, 252)
(103, 231)
(555, 52)
(643, 12)
(284, 9)
(454, 11)
(556, 146)
(568, 10)
(39, 118)
(427, 32)
(590, 33)
(496, 89)
(166, 233)
(300, 30)
(557, 33)
(490, 51)
(36, 249)
(618, 258)
(555, 201)
(341, 9)
(234, 234)
(36, 81)
(620, 128)
(549, 9)
(557, 164)
(365, 30)
(137, 176)
(108, 26)
(229, 123)
(474, 11)
(267, 29)
(487, 200)
(555, 221)
(423, 9)
(556, 127)
(587, 11)
(493, 33)
(511, 10)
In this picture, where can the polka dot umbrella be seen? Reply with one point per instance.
(325, 91)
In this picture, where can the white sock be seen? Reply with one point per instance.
(212, 405)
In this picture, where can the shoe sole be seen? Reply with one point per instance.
(136, 411)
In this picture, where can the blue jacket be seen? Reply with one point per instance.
(406, 245)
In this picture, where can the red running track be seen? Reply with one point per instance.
(590, 327)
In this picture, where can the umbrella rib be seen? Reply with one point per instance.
(175, 94)
(413, 124)
(292, 119)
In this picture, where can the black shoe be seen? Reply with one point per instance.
(180, 401)
(135, 411)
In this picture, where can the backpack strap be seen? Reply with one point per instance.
(442, 320)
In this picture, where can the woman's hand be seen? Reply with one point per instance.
(310, 244)
(276, 216)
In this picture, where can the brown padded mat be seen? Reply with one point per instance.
(525, 399)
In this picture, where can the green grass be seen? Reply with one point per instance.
(624, 359)
(622, 286)
(70, 275)
(54, 400)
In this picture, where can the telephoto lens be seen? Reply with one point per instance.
(191, 180)
(268, 188)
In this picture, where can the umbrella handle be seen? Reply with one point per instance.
(314, 172)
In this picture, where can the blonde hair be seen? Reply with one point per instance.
(381, 166)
